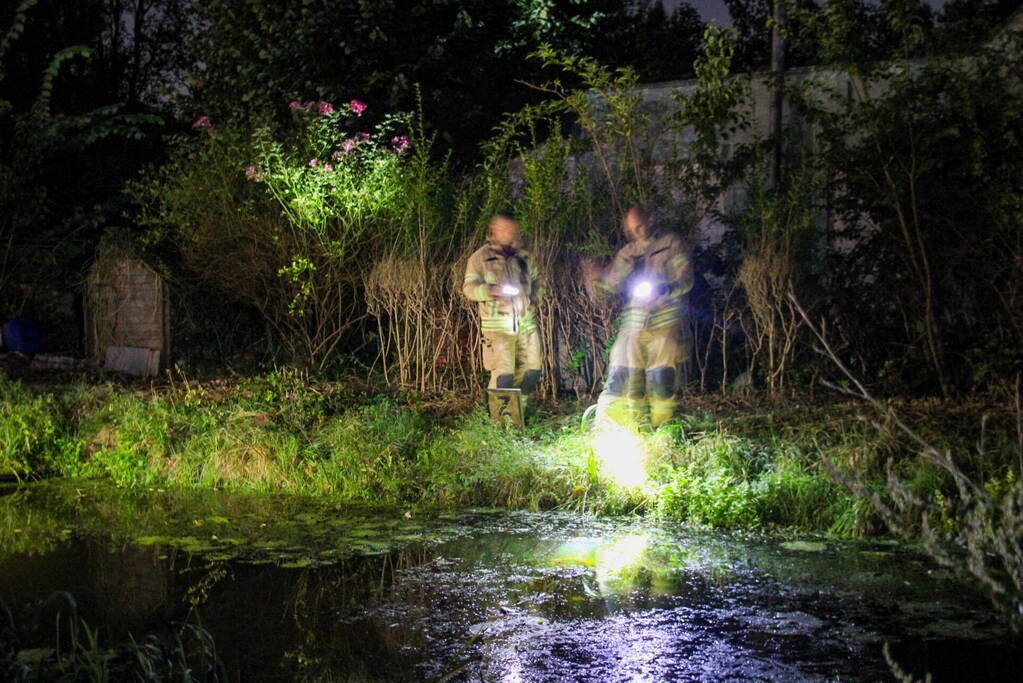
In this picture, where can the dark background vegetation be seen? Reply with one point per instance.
(92, 90)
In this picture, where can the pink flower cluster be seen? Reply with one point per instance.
(324, 108)
(357, 107)
(315, 163)
(203, 122)
(350, 144)
(400, 143)
(255, 173)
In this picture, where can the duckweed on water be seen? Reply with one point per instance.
(284, 530)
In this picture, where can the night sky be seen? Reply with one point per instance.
(709, 9)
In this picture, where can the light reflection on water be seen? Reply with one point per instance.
(494, 596)
(636, 623)
(658, 604)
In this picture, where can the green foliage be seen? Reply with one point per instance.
(59, 178)
(34, 438)
(340, 192)
(666, 45)
(476, 462)
(268, 51)
(859, 32)
(125, 436)
(318, 203)
(711, 108)
(324, 220)
(613, 122)
(287, 432)
(284, 396)
(928, 191)
(200, 203)
(42, 103)
(331, 181)
(714, 113)
(728, 481)
(369, 455)
(967, 515)
(712, 498)
(17, 27)
(795, 491)
(569, 24)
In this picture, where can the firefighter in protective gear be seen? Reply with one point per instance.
(655, 272)
(502, 277)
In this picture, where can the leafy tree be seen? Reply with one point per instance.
(68, 144)
(919, 151)
(753, 36)
(467, 56)
(666, 46)
(865, 26)
(751, 21)
(962, 24)
(140, 50)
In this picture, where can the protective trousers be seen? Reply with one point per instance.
(513, 359)
(643, 376)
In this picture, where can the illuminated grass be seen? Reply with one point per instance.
(284, 433)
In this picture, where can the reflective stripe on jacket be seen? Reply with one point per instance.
(663, 261)
(491, 265)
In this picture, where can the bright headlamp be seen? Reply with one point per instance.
(642, 290)
(510, 290)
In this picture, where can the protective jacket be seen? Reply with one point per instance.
(662, 261)
(645, 360)
(493, 264)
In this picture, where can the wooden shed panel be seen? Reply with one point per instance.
(126, 307)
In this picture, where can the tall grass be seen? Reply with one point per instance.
(723, 465)
(81, 652)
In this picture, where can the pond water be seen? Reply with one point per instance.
(293, 588)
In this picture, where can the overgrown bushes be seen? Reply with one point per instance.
(344, 239)
(347, 239)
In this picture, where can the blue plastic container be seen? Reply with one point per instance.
(21, 335)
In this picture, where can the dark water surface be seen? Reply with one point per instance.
(292, 588)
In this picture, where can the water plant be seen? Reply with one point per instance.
(77, 651)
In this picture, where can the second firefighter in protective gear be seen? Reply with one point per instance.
(503, 278)
(654, 271)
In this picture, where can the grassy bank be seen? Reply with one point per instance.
(728, 464)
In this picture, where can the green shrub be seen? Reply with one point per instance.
(368, 454)
(34, 438)
(715, 498)
(796, 493)
(125, 437)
